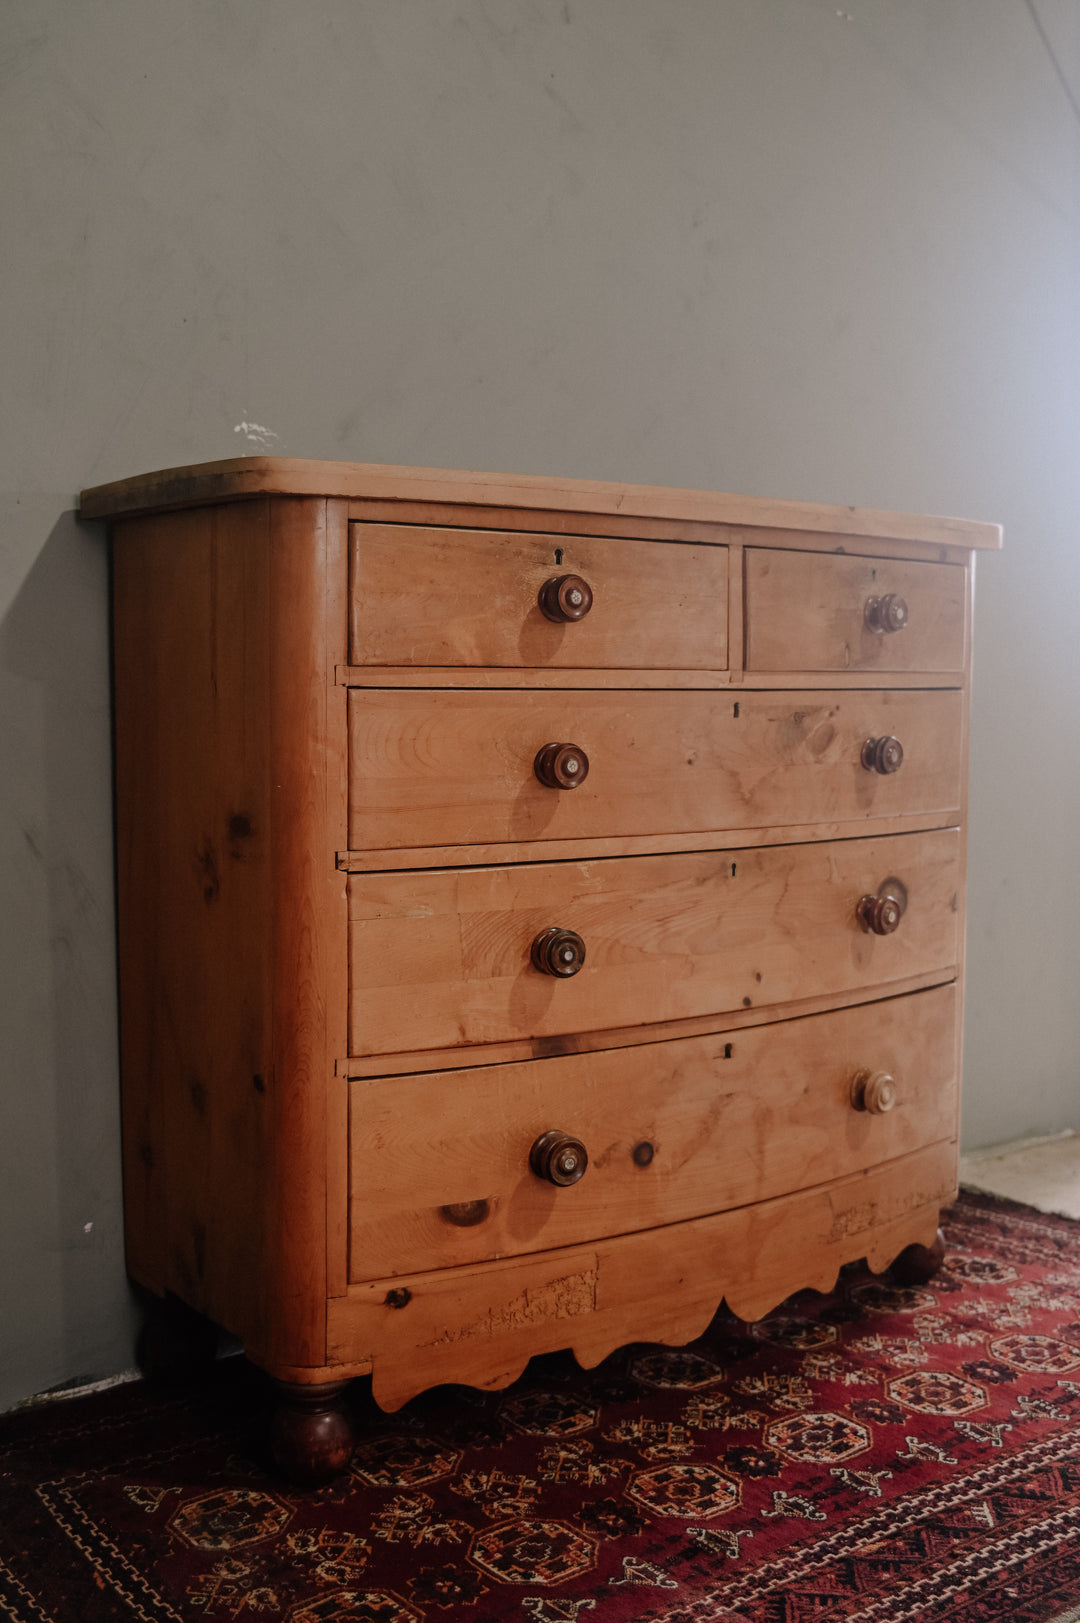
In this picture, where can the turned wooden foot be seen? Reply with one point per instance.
(311, 1434)
(176, 1346)
(918, 1263)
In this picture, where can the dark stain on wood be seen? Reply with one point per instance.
(240, 826)
(465, 1214)
(207, 869)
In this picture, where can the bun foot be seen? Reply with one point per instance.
(917, 1264)
(311, 1435)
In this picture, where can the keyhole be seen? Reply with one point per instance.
(558, 555)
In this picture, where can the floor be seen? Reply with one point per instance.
(1042, 1172)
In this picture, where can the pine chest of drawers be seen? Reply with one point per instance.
(541, 909)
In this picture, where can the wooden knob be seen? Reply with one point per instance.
(561, 766)
(888, 613)
(558, 952)
(565, 597)
(874, 1091)
(881, 913)
(883, 755)
(559, 1158)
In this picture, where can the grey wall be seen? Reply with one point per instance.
(772, 246)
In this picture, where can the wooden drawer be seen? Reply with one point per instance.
(440, 958)
(481, 1323)
(807, 611)
(439, 1163)
(423, 596)
(454, 767)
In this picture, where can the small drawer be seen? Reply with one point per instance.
(451, 767)
(442, 1171)
(445, 957)
(473, 598)
(808, 611)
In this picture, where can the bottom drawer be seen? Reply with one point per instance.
(440, 1169)
(479, 1325)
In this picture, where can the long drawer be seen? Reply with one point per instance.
(453, 767)
(445, 957)
(809, 611)
(440, 1168)
(423, 596)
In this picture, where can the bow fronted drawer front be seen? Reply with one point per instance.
(440, 1170)
(444, 958)
(446, 767)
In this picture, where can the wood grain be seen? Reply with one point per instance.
(450, 767)
(626, 845)
(480, 1324)
(652, 605)
(442, 958)
(194, 876)
(226, 636)
(531, 676)
(308, 628)
(409, 1063)
(805, 611)
(555, 523)
(440, 1162)
(240, 478)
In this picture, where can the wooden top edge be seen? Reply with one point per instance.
(241, 478)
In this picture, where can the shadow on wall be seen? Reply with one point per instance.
(61, 1247)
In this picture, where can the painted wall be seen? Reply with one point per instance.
(775, 246)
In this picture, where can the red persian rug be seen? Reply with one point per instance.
(880, 1455)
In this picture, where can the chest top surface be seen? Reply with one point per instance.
(239, 478)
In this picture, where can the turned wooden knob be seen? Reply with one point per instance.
(881, 913)
(565, 597)
(888, 613)
(874, 1091)
(559, 1158)
(561, 766)
(558, 952)
(883, 755)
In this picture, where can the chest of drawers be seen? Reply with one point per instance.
(541, 909)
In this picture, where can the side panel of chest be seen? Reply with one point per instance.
(232, 932)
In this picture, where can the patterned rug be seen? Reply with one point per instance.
(880, 1455)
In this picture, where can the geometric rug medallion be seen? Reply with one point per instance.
(878, 1455)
